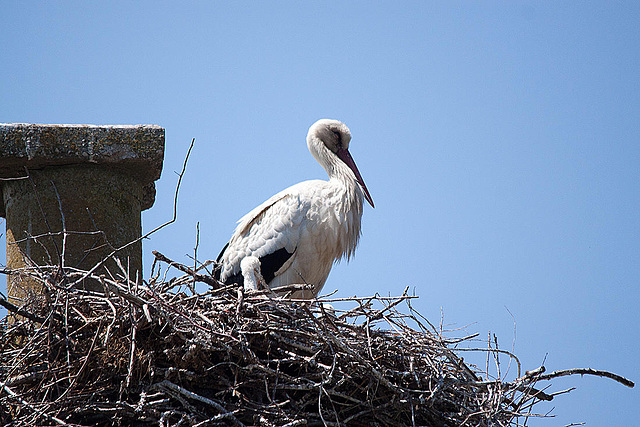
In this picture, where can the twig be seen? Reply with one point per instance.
(84, 364)
(134, 329)
(64, 225)
(30, 406)
(196, 276)
(20, 311)
(168, 385)
(44, 216)
(195, 257)
(378, 315)
(587, 371)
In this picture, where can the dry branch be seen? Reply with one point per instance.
(587, 371)
(191, 272)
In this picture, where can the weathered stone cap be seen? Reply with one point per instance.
(138, 150)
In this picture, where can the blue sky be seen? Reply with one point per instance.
(500, 142)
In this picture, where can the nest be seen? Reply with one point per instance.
(158, 353)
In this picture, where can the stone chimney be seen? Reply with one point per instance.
(72, 194)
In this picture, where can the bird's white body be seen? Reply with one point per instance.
(301, 231)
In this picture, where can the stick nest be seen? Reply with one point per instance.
(158, 354)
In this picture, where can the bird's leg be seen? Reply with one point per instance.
(250, 267)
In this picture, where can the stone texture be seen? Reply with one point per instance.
(139, 148)
(92, 181)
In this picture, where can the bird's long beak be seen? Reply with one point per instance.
(346, 157)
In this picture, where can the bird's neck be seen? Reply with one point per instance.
(340, 176)
(346, 203)
(343, 179)
(340, 171)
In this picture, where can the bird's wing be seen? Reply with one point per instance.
(269, 232)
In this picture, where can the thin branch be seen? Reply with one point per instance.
(44, 216)
(64, 225)
(587, 371)
(196, 276)
(20, 311)
(191, 395)
(16, 396)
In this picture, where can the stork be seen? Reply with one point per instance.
(295, 236)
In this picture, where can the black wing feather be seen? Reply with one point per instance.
(269, 264)
(272, 262)
(218, 269)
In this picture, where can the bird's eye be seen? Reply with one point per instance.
(338, 137)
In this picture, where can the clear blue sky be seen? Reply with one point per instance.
(500, 142)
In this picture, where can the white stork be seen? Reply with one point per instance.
(297, 235)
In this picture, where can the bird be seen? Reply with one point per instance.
(297, 235)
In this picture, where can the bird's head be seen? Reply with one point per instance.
(333, 134)
(328, 140)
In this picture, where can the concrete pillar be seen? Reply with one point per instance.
(92, 181)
